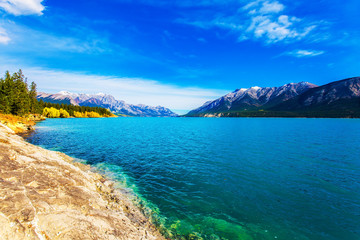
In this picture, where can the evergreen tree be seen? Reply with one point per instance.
(34, 104)
(4, 102)
(6, 93)
(21, 104)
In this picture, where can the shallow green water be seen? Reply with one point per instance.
(228, 178)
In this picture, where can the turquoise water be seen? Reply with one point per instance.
(227, 178)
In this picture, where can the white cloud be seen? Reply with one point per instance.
(304, 53)
(259, 20)
(4, 38)
(264, 7)
(23, 7)
(131, 90)
(269, 24)
(271, 7)
(274, 29)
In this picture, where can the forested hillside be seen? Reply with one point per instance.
(18, 98)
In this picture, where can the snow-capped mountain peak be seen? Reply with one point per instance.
(106, 101)
(254, 97)
(255, 88)
(65, 93)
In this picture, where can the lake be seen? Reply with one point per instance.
(227, 178)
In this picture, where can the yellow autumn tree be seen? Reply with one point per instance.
(92, 115)
(51, 112)
(64, 113)
(79, 114)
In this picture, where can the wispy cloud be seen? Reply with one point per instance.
(264, 7)
(271, 7)
(304, 53)
(22, 7)
(131, 90)
(83, 44)
(274, 29)
(4, 38)
(259, 20)
(30, 40)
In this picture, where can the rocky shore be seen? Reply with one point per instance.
(46, 195)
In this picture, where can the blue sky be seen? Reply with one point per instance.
(178, 54)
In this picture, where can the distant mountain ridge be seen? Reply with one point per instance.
(336, 99)
(324, 96)
(106, 101)
(253, 98)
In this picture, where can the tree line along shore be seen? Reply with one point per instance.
(19, 107)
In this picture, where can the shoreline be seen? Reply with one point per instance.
(46, 195)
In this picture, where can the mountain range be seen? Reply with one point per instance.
(105, 101)
(336, 99)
